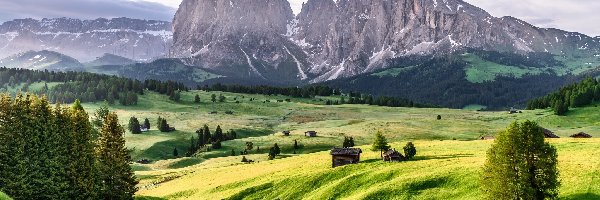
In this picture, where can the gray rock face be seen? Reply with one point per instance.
(244, 38)
(86, 40)
(332, 39)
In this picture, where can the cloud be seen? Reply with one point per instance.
(84, 9)
(570, 15)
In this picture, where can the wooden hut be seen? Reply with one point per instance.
(549, 134)
(345, 156)
(392, 156)
(581, 135)
(489, 137)
(310, 134)
(286, 133)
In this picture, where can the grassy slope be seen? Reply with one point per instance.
(442, 170)
(480, 70)
(4, 196)
(445, 168)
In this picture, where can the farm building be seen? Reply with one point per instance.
(392, 156)
(286, 133)
(144, 128)
(489, 137)
(310, 134)
(549, 134)
(345, 156)
(581, 135)
(513, 110)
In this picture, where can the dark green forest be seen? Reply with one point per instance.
(87, 87)
(575, 95)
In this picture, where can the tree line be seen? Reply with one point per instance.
(205, 138)
(575, 95)
(56, 153)
(299, 92)
(84, 86)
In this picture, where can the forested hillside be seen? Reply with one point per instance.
(66, 87)
(575, 95)
(492, 79)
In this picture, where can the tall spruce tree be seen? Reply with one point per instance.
(100, 114)
(134, 125)
(520, 165)
(117, 178)
(147, 123)
(207, 136)
(218, 134)
(81, 165)
(380, 143)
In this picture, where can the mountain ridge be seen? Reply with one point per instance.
(334, 39)
(87, 39)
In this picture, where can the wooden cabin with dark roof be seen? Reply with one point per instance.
(345, 156)
(581, 135)
(549, 133)
(310, 134)
(392, 156)
(286, 133)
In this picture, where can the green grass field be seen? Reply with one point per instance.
(4, 196)
(480, 70)
(450, 154)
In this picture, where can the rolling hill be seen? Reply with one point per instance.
(452, 145)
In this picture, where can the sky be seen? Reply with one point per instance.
(570, 15)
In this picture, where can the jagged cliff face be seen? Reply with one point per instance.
(86, 40)
(244, 38)
(332, 39)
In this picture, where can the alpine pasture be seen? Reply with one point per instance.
(448, 164)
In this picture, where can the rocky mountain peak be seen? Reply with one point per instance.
(331, 39)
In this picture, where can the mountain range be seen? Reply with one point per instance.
(331, 39)
(85, 40)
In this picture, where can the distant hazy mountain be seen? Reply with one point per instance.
(86, 40)
(42, 60)
(329, 39)
(110, 59)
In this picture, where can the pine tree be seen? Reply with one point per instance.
(118, 180)
(197, 99)
(276, 149)
(201, 140)
(100, 115)
(159, 123)
(207, 137)
(134, 126)
(380, 143)
(213, 98)
(296, 144)
(410, 151)
(520, 165)
(232, 152)
(193, 147)
(175, 153)
(218, 134)
(81, 165)
(147, 123)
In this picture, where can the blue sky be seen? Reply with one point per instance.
(571, 15)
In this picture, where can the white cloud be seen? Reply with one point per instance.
(170, 3)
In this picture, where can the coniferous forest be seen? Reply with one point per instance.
(53, 152)
(86, 87)
(575, 95)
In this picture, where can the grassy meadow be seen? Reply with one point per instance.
(448, 163)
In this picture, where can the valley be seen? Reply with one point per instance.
(450, 152)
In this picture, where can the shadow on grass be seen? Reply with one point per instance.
(443, 157)
(148, 198)
(163, 150)
(582, 196)
(409, 190)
